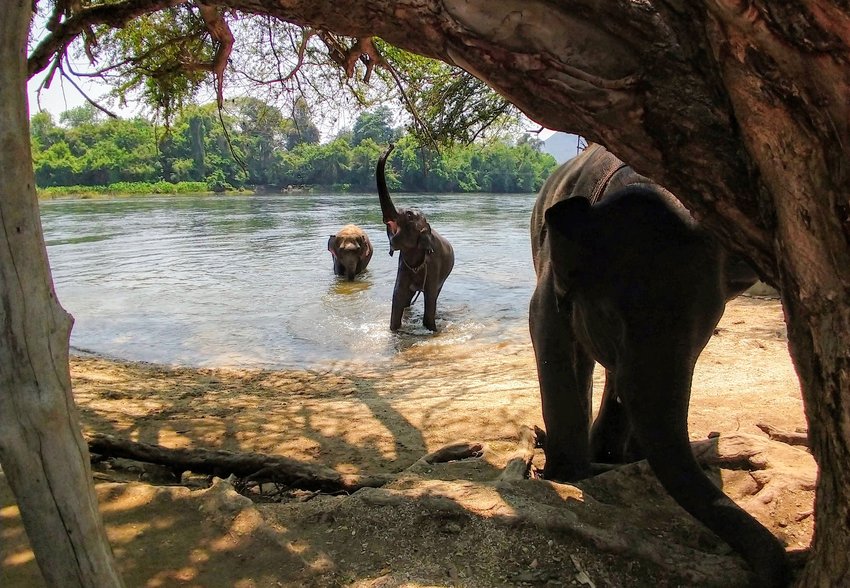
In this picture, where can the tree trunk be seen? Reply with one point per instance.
(820, 345)
(795, 127)
(41, 449)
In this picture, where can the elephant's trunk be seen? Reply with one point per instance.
(387, 207)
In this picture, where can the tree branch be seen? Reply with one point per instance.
(94, 103)
(116, 15)
(220, 31)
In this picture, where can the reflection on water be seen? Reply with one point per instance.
(248, 280)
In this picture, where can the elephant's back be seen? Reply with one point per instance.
(579, 176)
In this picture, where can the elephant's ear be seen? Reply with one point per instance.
(426, 239)
(568, 215)
(365, 246)
(569, 247)
(331, 243)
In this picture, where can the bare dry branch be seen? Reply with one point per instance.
(91, 101)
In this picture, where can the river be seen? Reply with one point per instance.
(247, 281)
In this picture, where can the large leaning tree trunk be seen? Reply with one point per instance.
(43, 454)
(738, 107)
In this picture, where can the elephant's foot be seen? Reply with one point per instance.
(564, 471)
(597, 468)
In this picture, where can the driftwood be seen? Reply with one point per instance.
(452, 452)
(791, 438)
(254, 467)
(519, 463)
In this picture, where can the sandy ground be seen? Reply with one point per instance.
(450, 524)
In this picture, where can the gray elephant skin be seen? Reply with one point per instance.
(351, 251)
(627, 278)
(425, 258)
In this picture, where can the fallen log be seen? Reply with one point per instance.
(453, 452)
(254, 467)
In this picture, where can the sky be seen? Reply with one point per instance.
(56, 99)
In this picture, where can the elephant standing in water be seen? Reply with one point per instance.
(425, 258)
(351, 251)
(627, 278)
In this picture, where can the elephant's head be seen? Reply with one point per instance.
(407, 228)
(351, 251)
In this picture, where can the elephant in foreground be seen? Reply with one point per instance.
(351, 251)
(425, 258)
(626, 277)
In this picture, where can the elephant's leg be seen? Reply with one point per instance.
(565, 373)
(402, 296)
(656, 392)
(430, 318)
(611, 439)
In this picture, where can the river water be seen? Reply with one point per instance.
(247, 281)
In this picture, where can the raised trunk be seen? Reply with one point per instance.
(387, 207)
(42, 451)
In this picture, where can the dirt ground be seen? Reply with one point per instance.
(445, 524)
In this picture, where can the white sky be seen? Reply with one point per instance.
(56, 99)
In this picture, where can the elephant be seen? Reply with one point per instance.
(626, 277)
(351, 251)
(425, 257)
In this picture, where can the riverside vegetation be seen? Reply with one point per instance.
(258, 146)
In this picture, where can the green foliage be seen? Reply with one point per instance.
(124, 188)
(217, 183)
(150, 57)
(451, 106)
(301, 129)
(375, 125)
(253, 147)
(164, 57)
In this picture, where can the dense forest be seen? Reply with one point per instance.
(254, 145)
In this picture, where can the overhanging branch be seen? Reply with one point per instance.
(116, 15)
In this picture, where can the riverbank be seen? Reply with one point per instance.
(437, 524)
(162, 188)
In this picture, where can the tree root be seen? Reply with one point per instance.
(791, 438)
(519, 463)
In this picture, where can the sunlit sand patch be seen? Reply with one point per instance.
(19, 558)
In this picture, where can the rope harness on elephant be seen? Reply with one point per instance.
(602, 185)
(416, 270)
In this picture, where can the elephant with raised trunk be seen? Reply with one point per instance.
(626, 277)
(351, 251)
(425, 258)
